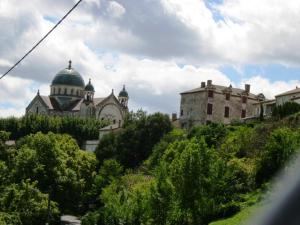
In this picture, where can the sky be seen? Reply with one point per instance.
(157, 48)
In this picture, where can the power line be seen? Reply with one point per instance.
(41, 40)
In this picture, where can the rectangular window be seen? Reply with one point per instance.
(226, 112)
(209, 109)
(181, 112)
(210, 93)
(244, 99)
(243, 113)
(227, 96)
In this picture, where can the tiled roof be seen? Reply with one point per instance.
(98, 100)
(220, 89)
(294, 91)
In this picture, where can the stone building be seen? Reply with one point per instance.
(215, 103)
(69, 96)
(268, 105)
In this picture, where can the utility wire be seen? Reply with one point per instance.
(40, 41)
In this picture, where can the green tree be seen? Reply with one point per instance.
(59, 166)
(25, 200)
(280, 147)
(134, 143)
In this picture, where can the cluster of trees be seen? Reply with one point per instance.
(79, 128)
(45, 175)
(148, 173)
(194, 177)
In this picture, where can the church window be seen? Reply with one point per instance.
(114, 121)
(210, 93)
(226, 112)
(59, 90)
(209, 109)
(54, 91)
(65, 91)
(243, 115)
(77, 93)
(37, 110)
(72, 91)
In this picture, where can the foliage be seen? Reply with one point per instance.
(288, 108)
(134, 143)
(10, 219)
(58, 165)
(27, 202)
(161, 146)
(213, 133)
(79, 128)
(280, 147)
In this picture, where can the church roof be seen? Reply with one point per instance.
(98, 100)
(68, 76)
(89, 87)
(123, 92)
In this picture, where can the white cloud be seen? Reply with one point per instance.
(269, 88)
(142, 44)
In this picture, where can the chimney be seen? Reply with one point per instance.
(209, 82)
(247, 88)
(174, 116)
(202, 84)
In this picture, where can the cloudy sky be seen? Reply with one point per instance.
(157, 48)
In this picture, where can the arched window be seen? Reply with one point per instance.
(54, 91)
(65, 91)
(72, 91)
(59, 90)
(77, 93)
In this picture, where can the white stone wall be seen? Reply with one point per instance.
(77, 91)
(37, 107)
(110, 112)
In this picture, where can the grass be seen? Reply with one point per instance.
(238, 219)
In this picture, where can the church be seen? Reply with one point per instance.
(70, 96)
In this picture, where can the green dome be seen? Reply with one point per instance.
(89, 87)
(68, 76)
(123, 93)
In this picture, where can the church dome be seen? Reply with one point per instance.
(123, 92)
(89, 87)
(68, 76)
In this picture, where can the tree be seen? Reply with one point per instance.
(26, 201)
(280, 147)
(134, 143)
(58, 165)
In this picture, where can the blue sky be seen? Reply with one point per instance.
(156, 48)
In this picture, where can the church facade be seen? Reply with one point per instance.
(69, 96)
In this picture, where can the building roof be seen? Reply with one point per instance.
(98, 100)
(89, 87)
(68, 76)
(220, 89)
(294, 91)
(52, 104)
(266, 102)
(123, 92)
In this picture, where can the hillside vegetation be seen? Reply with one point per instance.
(148, 173)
